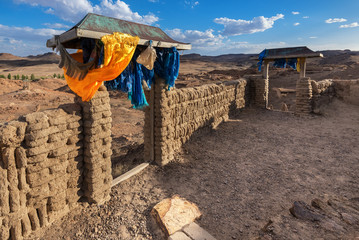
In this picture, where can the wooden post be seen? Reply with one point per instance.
(303, 66)
(265, 71)
(152, 119)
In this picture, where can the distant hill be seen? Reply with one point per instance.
(220, 58)
(9, 56)
(50, 56)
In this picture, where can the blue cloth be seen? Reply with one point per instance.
(262, 55)
(130, 81)
(292, 62)
(280, 63)
(148, 75)
(167, 65)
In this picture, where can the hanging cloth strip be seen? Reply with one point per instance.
(262, 55)
(74, 68)
(280, 63)
(292, 62)
(118, 51)
(167, 65)
(130, 81)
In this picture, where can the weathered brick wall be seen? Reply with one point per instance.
(181, 112)
(45, 167)
(323, 93)
(304, 97)
(258, 90)
(347, 90)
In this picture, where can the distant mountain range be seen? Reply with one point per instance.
(330, 57)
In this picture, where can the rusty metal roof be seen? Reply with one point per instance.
(293, 52)
(95, 26)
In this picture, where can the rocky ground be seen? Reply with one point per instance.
(245, 177)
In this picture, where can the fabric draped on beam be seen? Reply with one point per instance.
(117, 53)
(283, 62)
(262, 55)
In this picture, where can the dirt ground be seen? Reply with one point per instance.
(242, 175)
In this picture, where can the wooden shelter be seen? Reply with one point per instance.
(301, 53)
(95, 26)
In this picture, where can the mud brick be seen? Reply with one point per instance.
(76, 153)
(58, 185)
(73, 194)
(58, 137)
(59, 168)
(75, 181)
(35, 222)
(74, 166)
(16, 230)
(92, 123)
(36, 117)
(20, 156)
(42, 213)
(39, 178)
(37, 126)
(22, 179)
(74, 125)
(57, 202)
(26, 224)
(60, 151)
(34, 135)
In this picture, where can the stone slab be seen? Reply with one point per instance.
(197, 233)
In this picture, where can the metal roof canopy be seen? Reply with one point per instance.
(95, 26)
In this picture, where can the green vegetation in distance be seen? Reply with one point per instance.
(2, 76)
(32, 77)
(9, 76)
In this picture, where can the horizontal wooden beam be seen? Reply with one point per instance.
(77, 33)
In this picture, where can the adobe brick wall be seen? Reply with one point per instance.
(51, 159)
(181, 112)
(347, 90)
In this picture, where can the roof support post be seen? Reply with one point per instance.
(303, 66)
(265, 70)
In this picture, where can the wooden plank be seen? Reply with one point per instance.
(76, 33)
(129, 174)
(152, 118)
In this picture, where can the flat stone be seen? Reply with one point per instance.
(197, 233)
(172, 214)
(179, 236)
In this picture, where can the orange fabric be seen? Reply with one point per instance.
(118, 51)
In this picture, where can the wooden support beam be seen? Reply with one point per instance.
(303, 66)
(152, 118)
(265, 71)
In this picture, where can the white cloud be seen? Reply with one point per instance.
(27, 33)
(313, 37)
(191, 3)
(234, 27)
(352, 25)
(296, 24)
(205, 42)
(56, 25)
(335, 20)
(295, 13)
(305, 17)
(74, 11)
(154, 1)
(198, 39)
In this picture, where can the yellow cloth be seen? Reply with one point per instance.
(299, 61)
(118, 51)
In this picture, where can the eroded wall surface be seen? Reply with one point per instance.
(181, 112)
(347, 90)
(51, 159)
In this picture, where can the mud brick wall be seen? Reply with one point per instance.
(347, 90)
(258, 90)
(181, 112)
(304, 96)
(45, 167)
(323, 93)
(97, 147)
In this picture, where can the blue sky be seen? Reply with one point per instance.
(213, 26)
